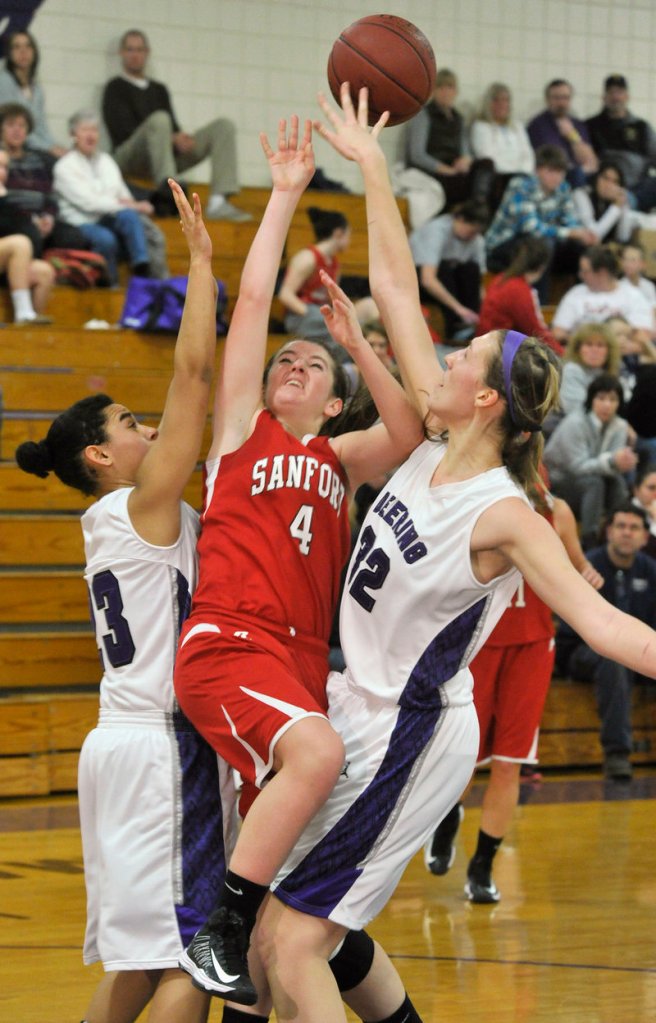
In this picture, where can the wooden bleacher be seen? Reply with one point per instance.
(49, 666)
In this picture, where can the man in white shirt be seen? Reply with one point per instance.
(600, 296)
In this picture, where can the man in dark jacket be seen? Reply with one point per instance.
(630, 585)
(616, 134)
(148, 141)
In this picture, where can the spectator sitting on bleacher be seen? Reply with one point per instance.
(539, 204)
(636, 350)
(557, 126)
(592, 350)
(496, 136)
(629, 141)
(600, 296)
(94, 197)
(30, 185)
(511, 302)
(644, 497)
(633, 265)
(449, 253)
(30, 280)
(436, 143)
(302, 292)
(630, 585)
(19, 84)
(589, 454)
(375, 335)
(604, 205)
(148, 141)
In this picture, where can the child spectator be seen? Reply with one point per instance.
(449, 253)
(511, 302)
(30, 280)
(588, 455)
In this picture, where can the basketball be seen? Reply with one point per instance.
(389, 55)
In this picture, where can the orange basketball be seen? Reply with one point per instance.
(389, 55)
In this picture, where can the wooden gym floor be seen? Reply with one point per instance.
(572, 939)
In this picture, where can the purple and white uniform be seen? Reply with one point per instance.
(413, 616)
(149, 786)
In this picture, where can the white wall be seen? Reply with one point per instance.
(255, 60)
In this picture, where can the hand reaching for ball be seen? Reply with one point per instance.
(351, 135)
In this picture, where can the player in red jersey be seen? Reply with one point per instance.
(303, 292)
(252, 664)
(512, 673)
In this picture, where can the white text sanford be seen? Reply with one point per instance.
(300, 472)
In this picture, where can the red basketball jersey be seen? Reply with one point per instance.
(313, 291)
(275, 532)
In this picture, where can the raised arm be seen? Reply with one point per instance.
(368, 453)
(239, 388)
(154, 503)
(392, 272)
(528, 541)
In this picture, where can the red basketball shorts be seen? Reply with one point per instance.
(510, 689)
(242, 686)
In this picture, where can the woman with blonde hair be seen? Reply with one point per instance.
(497, 136)
(591, 350)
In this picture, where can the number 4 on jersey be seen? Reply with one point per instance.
(301, 529)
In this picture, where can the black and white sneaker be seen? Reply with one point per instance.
(216, 958)
(482, 892)
(440, 850)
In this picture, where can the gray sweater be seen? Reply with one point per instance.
(578, 447)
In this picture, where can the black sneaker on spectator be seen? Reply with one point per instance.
(216, 958)
(440, 850)
(618, 767)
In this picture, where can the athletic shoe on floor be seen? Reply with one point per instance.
(440, 850)
(216, 958)
(481, 891)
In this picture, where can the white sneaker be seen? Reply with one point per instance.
(221, 209)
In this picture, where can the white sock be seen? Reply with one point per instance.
(23, 308)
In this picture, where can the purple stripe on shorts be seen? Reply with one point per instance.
(324, 876)
(203, 859)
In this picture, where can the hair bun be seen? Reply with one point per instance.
(35, 457)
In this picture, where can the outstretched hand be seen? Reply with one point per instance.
(340, 315)
(191, 220)
(292, 165)
(351, 135)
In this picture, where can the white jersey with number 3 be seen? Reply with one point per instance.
(137, 635)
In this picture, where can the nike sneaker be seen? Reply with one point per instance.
(216, 958)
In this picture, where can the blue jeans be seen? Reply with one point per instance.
(116, 234)
(613, 688)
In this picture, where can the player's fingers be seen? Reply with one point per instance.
(282, 134)
(293, 132)
(347, 102)
(264, 142)
(307, 134)
(380, 123)
(363, 106)
(328, 110)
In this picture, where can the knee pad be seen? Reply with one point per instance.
(352, 960)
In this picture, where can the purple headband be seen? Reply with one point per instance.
(511, 343)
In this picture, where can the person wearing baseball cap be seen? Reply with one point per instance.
(617, 134)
